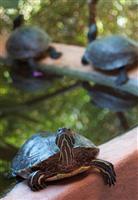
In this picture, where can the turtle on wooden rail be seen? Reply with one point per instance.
(112, 53)
(25, 46)
(47, 157)
(29, 43)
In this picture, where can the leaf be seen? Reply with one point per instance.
(9, 3)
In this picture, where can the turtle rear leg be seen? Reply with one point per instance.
(122, 77)
(37, 180)
(53, 53)
(106, 169)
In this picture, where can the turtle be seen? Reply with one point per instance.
(46, 157)
(110, 98)
(112, 53)
(29, 44)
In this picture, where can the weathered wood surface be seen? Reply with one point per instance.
(70, 65)
(121, 151)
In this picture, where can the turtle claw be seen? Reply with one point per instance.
(108, 180)
(107, 171)
(120, 82)
(37, 181)
(36, 188)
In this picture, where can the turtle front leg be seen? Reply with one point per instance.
(53, 53)
(122, 78)
(37, 180)
(106, 169)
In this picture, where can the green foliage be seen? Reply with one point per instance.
(9, 3)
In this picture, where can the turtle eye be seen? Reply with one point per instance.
(60, 130)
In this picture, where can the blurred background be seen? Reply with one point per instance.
(66, 22)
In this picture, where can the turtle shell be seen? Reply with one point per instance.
(112, 52)
(27, 42)
(115, 100)
(41, 147)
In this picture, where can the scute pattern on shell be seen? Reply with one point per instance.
(112, 52)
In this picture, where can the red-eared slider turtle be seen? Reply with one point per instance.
(107, 97)
(112, 53)
(47, 157)
(28, 43)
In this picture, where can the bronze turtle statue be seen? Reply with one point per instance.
(47, 157)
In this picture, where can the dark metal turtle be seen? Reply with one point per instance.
(112, 53)
(111, 98)
(28, 43)
(46, 157)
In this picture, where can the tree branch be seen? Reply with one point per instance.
(28, 104)
(92, 11)
(7, 151)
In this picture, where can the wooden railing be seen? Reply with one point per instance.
(121, 151)
(70, 65)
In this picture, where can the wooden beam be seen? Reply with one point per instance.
(70, 65)
(121, 151)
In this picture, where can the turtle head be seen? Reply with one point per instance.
(65, 141)
(18, 21)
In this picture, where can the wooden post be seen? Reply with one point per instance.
(121, 151)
